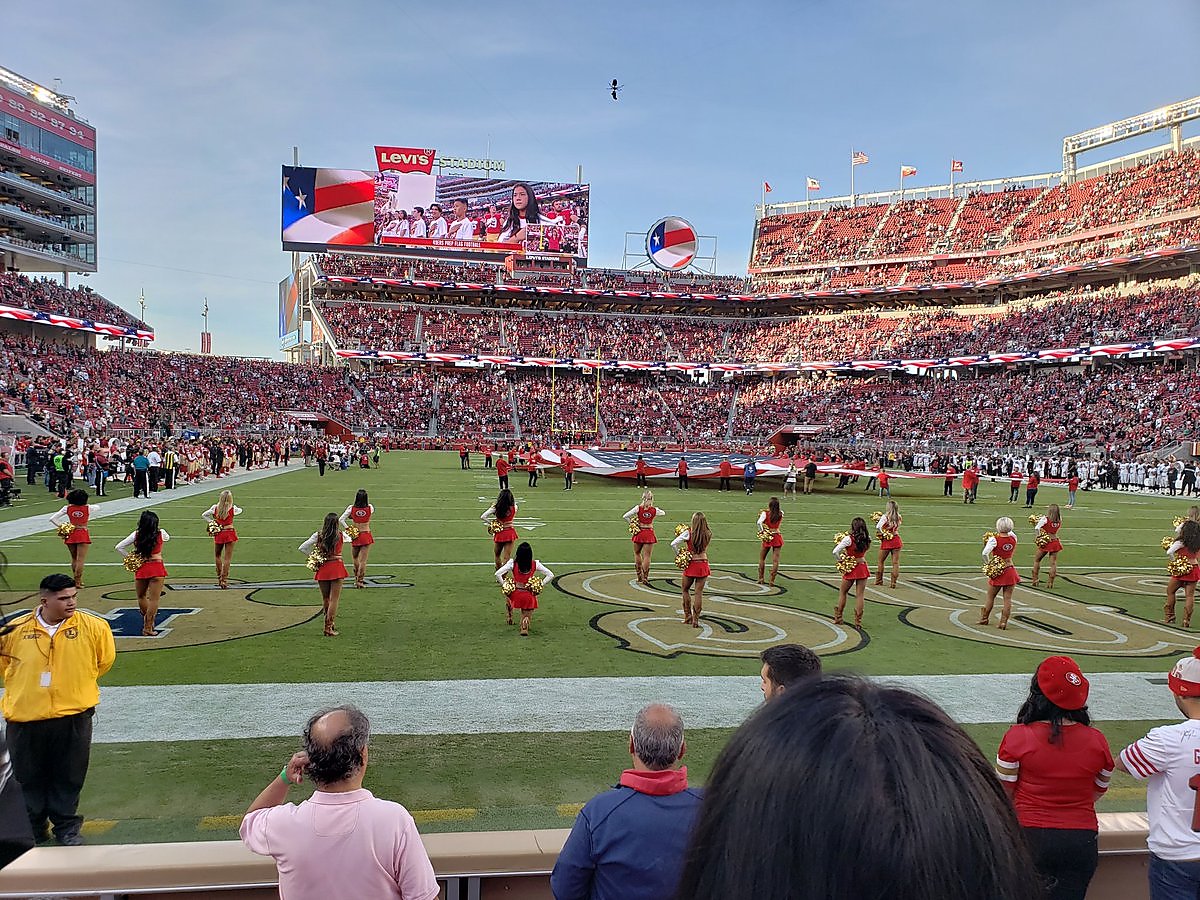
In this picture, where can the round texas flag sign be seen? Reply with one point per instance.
(671, 243)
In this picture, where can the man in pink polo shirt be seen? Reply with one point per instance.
(342, 842)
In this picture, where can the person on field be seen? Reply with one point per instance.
(628, 843)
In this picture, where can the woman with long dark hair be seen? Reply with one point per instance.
(325, 549)
(854, 545)
(359, 514)
(1182, 554)
(76, 514)
(148, 579)
(1055, 766)
(522, 211)
(504, 535)
(644, 537)
(520, 569)
(1047, 544)
(696, 538)
(890, 544)
(911, 764)
(220, 521)
(769, 522)
(1002, 544)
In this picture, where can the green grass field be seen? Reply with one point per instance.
(442, 619)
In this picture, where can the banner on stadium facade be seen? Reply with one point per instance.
(407, 210)
(43, 318)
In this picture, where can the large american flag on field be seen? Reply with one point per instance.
(858, 158)
(328, 206)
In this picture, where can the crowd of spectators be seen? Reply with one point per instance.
(44, 295)
(473, 403)
(402, 399)
(363, 265)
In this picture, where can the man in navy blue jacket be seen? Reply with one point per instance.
(628, 843)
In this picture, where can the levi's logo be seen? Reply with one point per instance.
(405, 159)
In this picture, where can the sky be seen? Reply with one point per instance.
(197, 106)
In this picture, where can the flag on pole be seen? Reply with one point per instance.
(956, 165)
(858, 158)
(767, 187)
(905, 171)
(812, 184)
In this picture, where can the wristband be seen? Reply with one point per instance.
(283, 777)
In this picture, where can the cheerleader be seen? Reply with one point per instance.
(696, 537)
(329, 574)
(769, 520)
(360, 513)
(1049, 525)
(147, 542)
(889, 546)
(854, 545)
(1185, 547)
(644, 538)
(1193, 515)
(221, 513)
(522, 567)
(1002, 544)
(77, 512)
(504, 511)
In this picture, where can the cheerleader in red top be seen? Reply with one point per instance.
(855, 545)
(1186, 548)
(1048, 525)
(644, 538)
(329, 574)
(77, 512)
(521, 568)
(889, 543)
(147, 542)
(697, 537)
(359, 513)
(504, 510)
(1003, 544)
(222, 513)
(770, 519)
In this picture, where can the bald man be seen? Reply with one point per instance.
(629, 843)
(341, 842)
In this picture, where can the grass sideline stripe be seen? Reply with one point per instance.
(219, 823)
(568, 810)
(98, 826)
(461, 814)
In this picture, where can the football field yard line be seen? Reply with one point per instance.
(491, 706)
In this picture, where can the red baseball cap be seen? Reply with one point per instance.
(1063, 683)
(1184, 679)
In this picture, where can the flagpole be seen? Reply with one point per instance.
(807, 196)
(764, 199)
(852, 176)
(902, 184)
(951, 179)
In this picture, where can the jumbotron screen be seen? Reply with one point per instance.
(415, 213)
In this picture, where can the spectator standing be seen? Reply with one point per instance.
(6, 480)
(726, 470)
(568, 467)
(141, 474)
(342, 843)
(502, 471)
(629, 843)
(681, 473)
(155, 460)
(53, 657)
(784, 665)
(640, 469)
(1055, 766)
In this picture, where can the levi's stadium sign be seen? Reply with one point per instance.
(458, 162)
(416, 159)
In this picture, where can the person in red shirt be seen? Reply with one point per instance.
(1014, 485)
(681, 471)
(948, 486)
(970, 484)
(1055, 767)
(1031, 489)
(568, 466)
(487, 456)
(885, 480)
(464, 458)
(1072, 488)
(726, 472)
(502, 464)
(640, 468)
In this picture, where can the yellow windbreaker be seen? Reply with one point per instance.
(48, 678)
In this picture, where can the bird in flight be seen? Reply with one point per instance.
(615, 88)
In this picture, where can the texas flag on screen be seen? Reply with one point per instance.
(672, 243)
(328, 206)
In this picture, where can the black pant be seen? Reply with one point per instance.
(533, 477)
(50, 760)
(683, 485)
(1014, 491)
(948, 487)
(1030, 496)
(749, 482)
(724, 486)
(155, 474)
(487, 462)
(641, 480)
(1065, 858)
(568, 480)
(503, 482)
(141, 482)
(321, 467)
(462, 461)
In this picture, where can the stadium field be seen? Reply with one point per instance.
(432, 615)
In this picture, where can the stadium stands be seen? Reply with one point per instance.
(43, 295)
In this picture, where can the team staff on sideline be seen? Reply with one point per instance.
(1048, 525)
(77, 513)
(770, 520)
(1167, 759)
(644, 538)
(502, 471)
(504, 536)
(1002, 544)
(520, 569)
(330, 570)
(1055, 767)
(628, 843)
(146, 541)
(696, 538)
(359, 513)
(784, 665)
(855, 545)
(225, 536)
(52, 659)
(342, 843)
(890, 544)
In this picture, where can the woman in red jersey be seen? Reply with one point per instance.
(521, 568)
(1047, 543)
(854, 545)
(888, 529)
(696, 537)
(220, 518)
(1182, 553)
(769, 522)
(644, 538)
(1055, 767)
(325, 549)
(359, 514)
(77, 513)
(148, 579)
(504, 535)
(1002, 544)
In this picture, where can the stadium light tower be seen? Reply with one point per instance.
(142, 305)
(1170, 117)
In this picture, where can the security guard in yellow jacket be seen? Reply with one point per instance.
(52, 658)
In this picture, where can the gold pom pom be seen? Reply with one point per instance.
(876, 516)
(65, 530)
(887, 535)
(988, 535)
(634, 526)
(994, 567)
(765, 534)
(1167, 542)
(133, 561)
(839, 537)
(1043, 538)
(353, 531)
(1178, 566)
(315, 560)
(213, 528)
(680, 529)
(494, 527)
(846, 564)
(507, 587)
(1033, 519)
(1178, 521)
(534, 585)
(682, 558)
